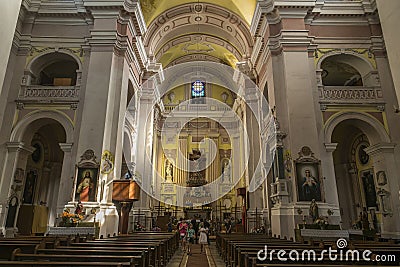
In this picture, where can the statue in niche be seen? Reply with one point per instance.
(314, 210)
(226, 172)
(381, 178)
(364, 219)
(168, 171)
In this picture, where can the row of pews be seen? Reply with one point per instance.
(243, 250)
(140, 249)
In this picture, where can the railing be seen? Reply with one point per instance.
(39, 92)
(196, 108)
(350, 94)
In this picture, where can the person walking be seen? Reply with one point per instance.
(203, 238)
(182, 228)
(190, 239)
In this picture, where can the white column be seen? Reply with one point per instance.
(8, 20)
(144, 170)
(66, 187)
(329, 182)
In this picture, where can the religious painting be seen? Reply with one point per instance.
(107, 162)
(308, 181)
(29, 190)
(86, 185)
(367, 178)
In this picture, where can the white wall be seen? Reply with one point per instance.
(389, 15)
(9, 10)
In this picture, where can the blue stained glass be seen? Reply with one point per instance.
(198, 89)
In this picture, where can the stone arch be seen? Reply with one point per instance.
(45, 59)
(36, 119)
(366, 70)
(374, 130)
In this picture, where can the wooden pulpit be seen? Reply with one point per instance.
(125, 192)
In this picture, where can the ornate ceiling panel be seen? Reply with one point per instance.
(153, 8)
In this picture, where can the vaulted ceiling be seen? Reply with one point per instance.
(153, 8)
(181, 31)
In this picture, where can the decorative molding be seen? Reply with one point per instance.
(18, 147)
(330, 147)
(66, 147)
(380, 148)
(88, 159)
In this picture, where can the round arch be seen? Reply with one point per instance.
(22, 126)
(351, 58)
(374, 130)
(37, 58)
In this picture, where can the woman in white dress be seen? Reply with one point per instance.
(202, 238)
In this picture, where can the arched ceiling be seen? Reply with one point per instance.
(181, 31)
(153, 8)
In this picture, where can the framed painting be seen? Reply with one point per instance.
(86, 184)
(367, 177)
(308, 181)
(29, 189)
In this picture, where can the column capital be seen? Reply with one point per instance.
(19, 147)
(66, 147)
(330, 147)
(380, 148)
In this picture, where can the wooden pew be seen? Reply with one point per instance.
(56, 263)
(133, 261)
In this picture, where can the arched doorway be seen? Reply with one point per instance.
(354, 169)
(42, 168)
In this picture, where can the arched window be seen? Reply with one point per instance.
(198, 92)
(198, 89)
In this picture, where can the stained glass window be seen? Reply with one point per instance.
(198, 89)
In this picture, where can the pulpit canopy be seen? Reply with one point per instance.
(125, 191)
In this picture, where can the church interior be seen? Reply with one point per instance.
(198, 132)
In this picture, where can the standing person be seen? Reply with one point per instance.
(190, 238)
(203, 238)
(169, 225)
(207, 226)
(182, 228)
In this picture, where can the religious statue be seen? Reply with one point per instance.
(79, 208)
(364, 219)
(226, 177)
(168, 171)
(314, 210)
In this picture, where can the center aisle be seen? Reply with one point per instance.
(198, 259)
(210, 259)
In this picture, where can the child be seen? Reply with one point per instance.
(182, 233)
(203, 238)
(190, 238)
